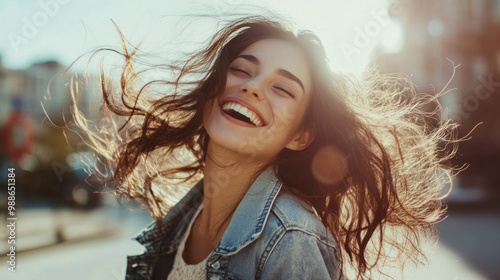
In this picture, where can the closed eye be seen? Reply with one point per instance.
(239, 70)
(285, 91)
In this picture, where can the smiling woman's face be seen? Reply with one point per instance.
(260, 112)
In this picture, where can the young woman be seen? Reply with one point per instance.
(305, 173)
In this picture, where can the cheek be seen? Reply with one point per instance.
(288, 114)
(209, 111)
(231, 82)
(288, 118)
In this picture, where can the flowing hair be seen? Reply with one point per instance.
(373, 174)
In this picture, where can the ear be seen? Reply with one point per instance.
(304, 137)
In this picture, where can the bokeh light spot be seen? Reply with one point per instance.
(329, 165)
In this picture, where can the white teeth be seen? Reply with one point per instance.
(253, 118)
(244, 111)
(258, 122)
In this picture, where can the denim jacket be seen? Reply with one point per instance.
(272, 235)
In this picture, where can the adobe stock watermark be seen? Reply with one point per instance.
(363, 37)
(224, 6)
(31, 25)
(471, 102)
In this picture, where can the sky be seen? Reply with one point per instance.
(35, 31)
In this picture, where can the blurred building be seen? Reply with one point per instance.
(44, 89)
(467, 33)
(43, 82)
(12, 82)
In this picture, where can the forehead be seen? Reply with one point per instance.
(275, 53)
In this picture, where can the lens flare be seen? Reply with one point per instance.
(329, 165)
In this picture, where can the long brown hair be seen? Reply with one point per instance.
(373, 174)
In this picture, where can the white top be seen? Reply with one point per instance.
(182, 270)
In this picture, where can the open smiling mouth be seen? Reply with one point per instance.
(241, 113)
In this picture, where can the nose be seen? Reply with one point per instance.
(251, 88)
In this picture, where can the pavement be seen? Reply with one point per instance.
(38, 227)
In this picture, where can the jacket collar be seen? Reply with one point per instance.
(251, 215)
(173, 225)
(246, 225)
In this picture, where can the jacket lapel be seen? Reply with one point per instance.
(251, 214)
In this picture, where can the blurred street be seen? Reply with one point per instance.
(468, 246)
(91, 245)
(95, 249)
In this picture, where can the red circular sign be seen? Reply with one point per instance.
(17, 135)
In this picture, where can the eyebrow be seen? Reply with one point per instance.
(280, 71)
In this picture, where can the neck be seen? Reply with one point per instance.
(225, 183)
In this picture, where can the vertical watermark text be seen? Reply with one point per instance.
(11, 219)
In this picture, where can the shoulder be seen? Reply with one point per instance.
(298, 243)
(295, 215)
